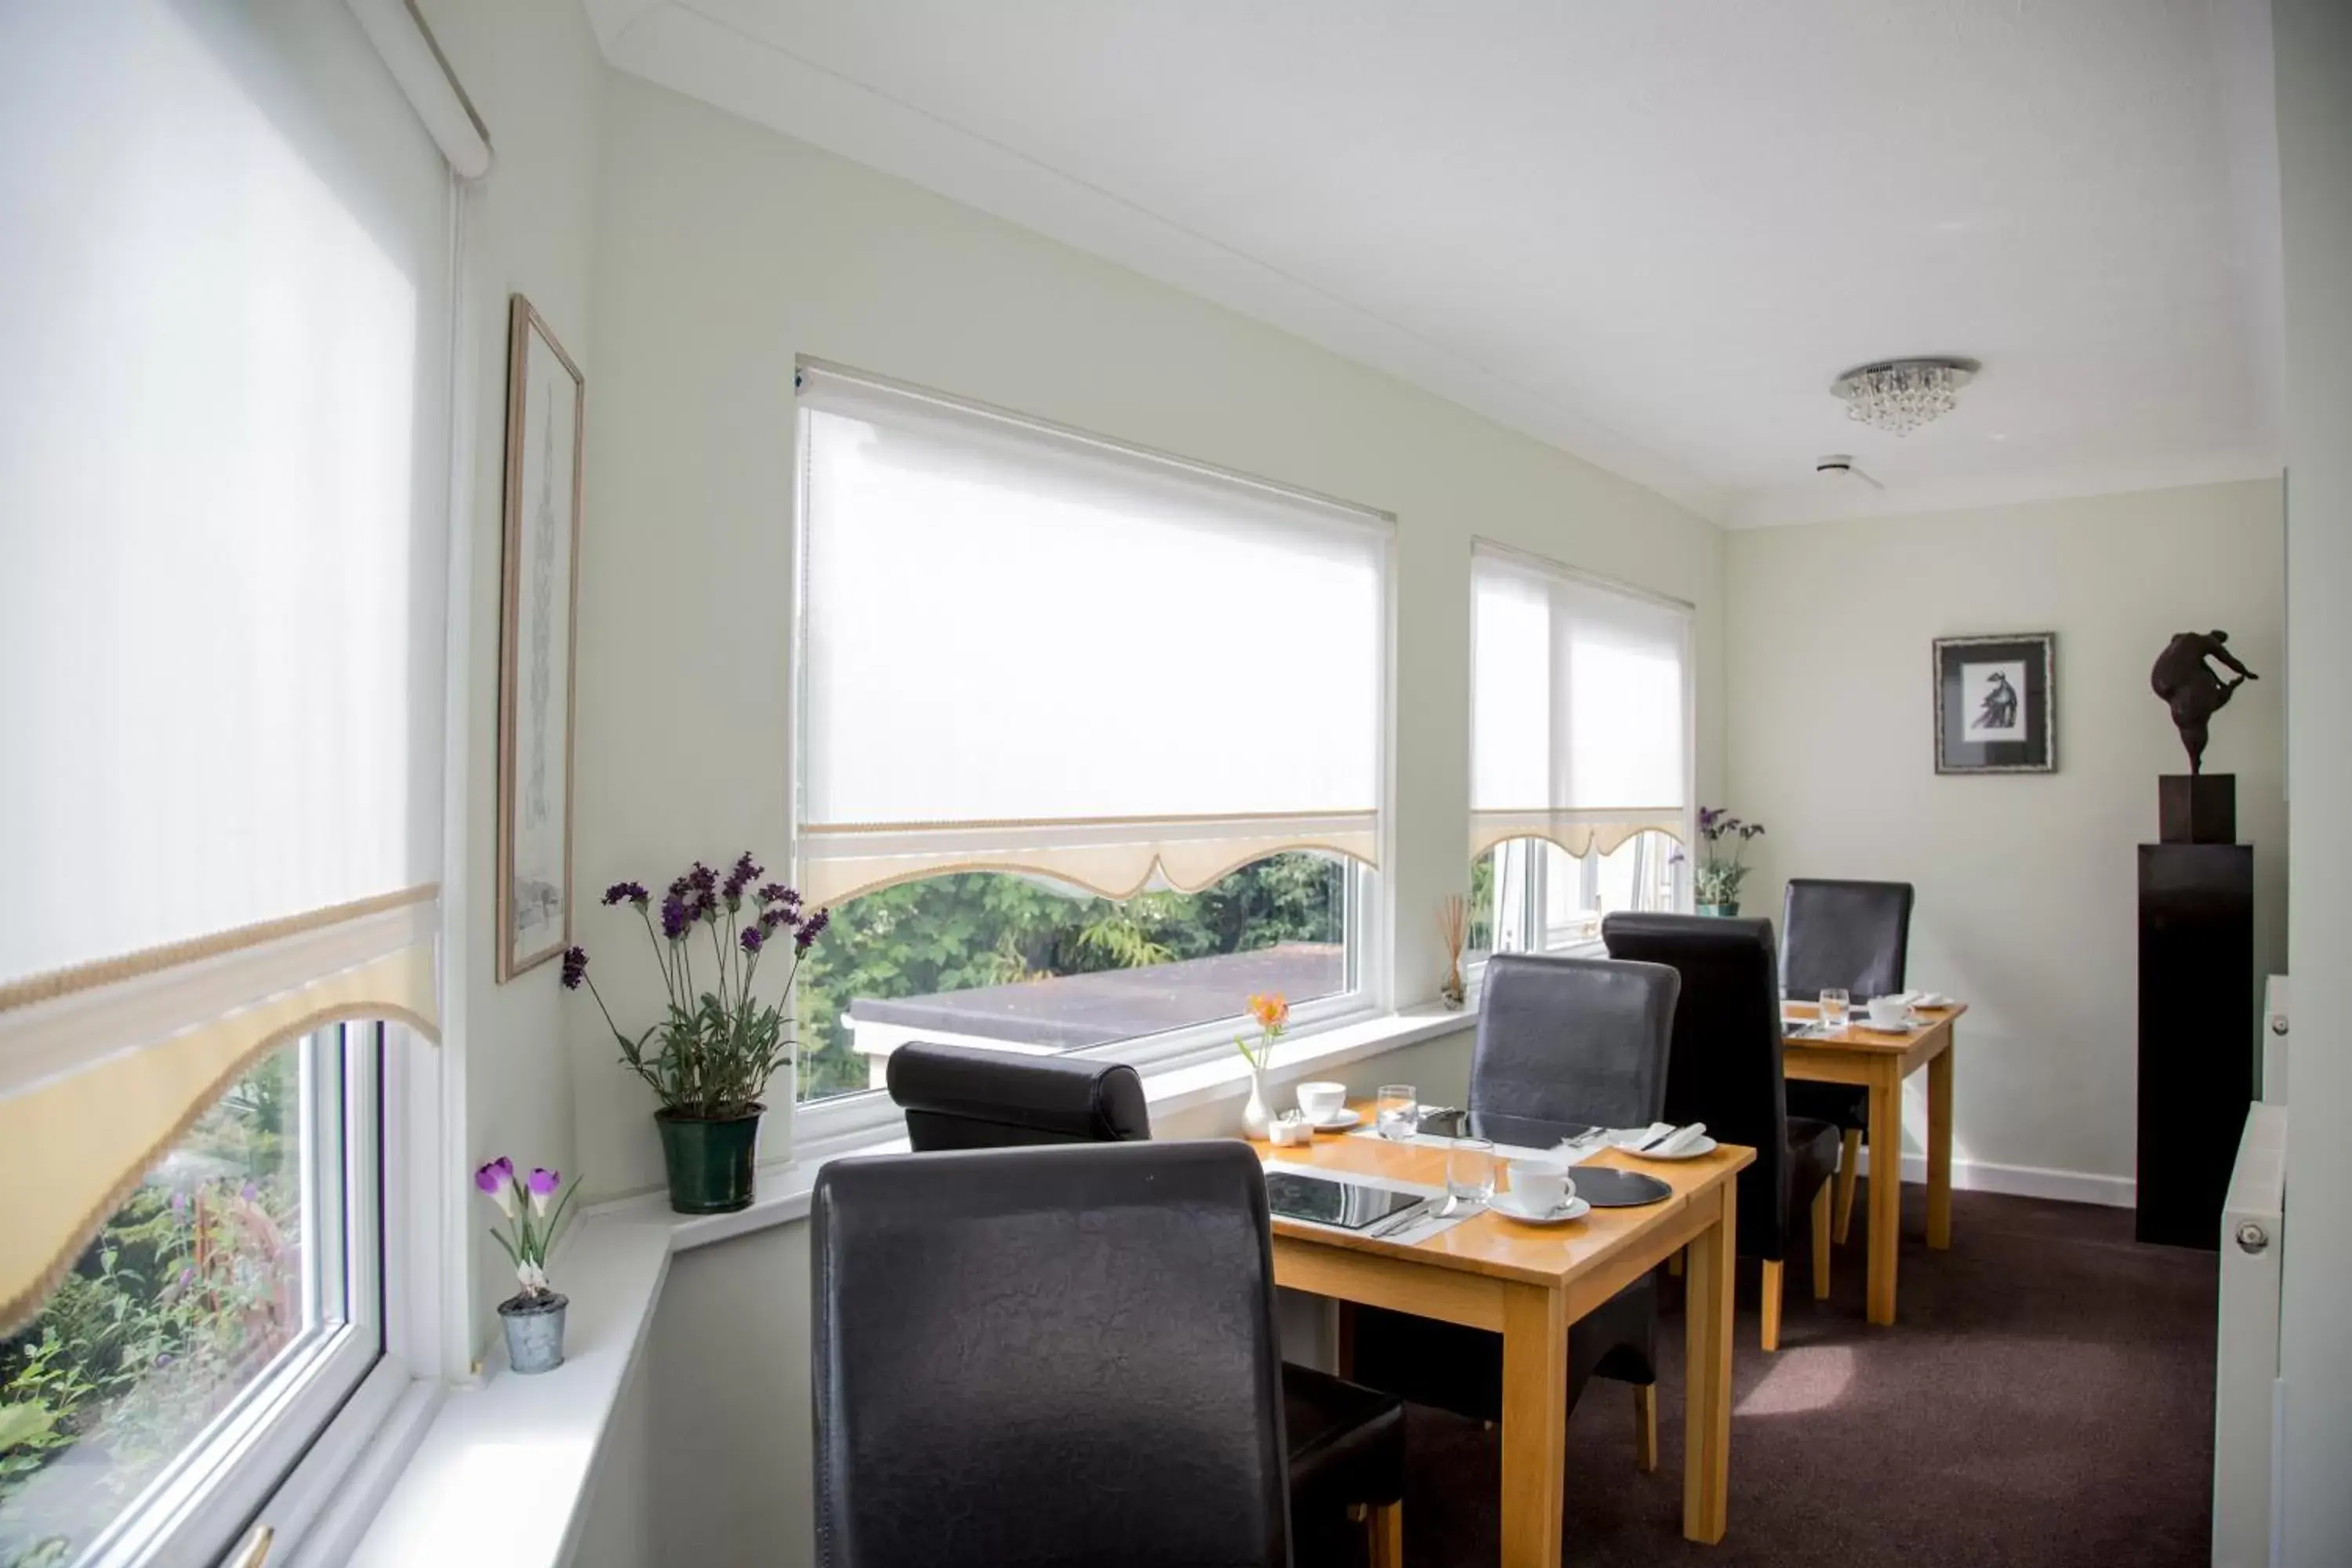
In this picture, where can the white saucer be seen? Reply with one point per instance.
(1340, 1122)
(1706, 1145)
(1575, 1208)
(1862, 1021)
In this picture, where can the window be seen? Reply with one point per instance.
(223, 616)
(1579, 786)
(1089, 741)
(1531, 896)
(239, 1282)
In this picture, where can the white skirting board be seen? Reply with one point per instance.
(2025, 1181)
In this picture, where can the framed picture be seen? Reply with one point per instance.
(546, 410)
(1997, 704)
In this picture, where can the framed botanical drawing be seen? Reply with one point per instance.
(1997, 704)
(540, 581)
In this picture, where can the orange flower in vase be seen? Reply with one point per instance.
(1273, 1015)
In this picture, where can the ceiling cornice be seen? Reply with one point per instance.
(1833, 501)
(677, 47)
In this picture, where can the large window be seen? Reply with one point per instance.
(1089, 741)
(238, 1283)
(1580, 754)
(225, 258)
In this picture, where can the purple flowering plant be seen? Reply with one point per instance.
(534, 1216)
(716, 1046)
(1715, 878)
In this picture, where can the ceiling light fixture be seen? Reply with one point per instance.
(1898, 395)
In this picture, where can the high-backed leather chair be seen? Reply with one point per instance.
(1050, 1357)
(968, 1096)
(1346, 1441)
(1563, 1044)
(1855, 937)
(1725, 1071)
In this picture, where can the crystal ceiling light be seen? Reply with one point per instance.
(1898, 395)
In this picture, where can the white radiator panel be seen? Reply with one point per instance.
(2246, 1369)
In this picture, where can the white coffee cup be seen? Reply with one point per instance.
(1540, 1186)
(1889, 1011)
(1322, 1102)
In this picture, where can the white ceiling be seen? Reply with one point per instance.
(1651, 232)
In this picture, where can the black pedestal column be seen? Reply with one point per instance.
(2196, 1019)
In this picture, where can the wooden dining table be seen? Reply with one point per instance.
(1879, 1061)
(1528, 1283)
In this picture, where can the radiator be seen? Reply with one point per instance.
(2245, 1366)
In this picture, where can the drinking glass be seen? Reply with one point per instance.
(1470, 1170)
(1396, 1112)
(1837, 1007)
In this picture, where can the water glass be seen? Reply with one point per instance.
(1396, 1112)
(1470, 1170)
(1837, 1007)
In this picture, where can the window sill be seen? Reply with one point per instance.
(503, 1472)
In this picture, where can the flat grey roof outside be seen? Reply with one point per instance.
(1070, 1011)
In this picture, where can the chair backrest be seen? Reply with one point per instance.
(1852, 935)
(968, 1096)
(1572, 1039)
(1047, 1356)
(1724, 1069)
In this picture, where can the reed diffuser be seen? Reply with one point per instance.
(1454, 925)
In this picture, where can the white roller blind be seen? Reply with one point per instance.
(1577, 720)
(1025, 649)
(224, 258)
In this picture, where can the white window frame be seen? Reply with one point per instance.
(841, 1123)
(194, 1508)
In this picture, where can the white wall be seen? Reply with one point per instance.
(2027, 884)
(2314, 40)
(722, 251)
(534, 74)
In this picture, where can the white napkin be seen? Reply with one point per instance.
(1579, 1150)
(1683, 1141)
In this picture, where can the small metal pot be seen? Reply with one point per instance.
(534, 1330)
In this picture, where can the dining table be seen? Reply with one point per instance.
(1879, 1060)
(1527, 1283)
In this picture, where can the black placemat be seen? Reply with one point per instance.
(1605, 1187)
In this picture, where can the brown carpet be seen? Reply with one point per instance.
(2045, 1399)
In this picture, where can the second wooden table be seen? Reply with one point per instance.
(1880, 1062)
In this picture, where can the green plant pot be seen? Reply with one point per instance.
(1721, 912)
(710, 1162)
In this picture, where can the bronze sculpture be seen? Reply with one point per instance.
(2192, 689)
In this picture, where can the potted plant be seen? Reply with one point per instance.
(1273, 1015)
(715, 1049)
(1714, 882)
(533, 1315)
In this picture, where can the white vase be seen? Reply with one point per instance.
(1256, 1119)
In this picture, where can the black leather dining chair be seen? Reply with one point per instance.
(1346, 1442)
(1725, 1071)
(1563, 1044)
(1055, 1357)
(1854, 937)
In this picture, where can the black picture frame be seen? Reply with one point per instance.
(1997, 704)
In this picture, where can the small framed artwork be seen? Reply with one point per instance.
(540, 581)
(1997, 704)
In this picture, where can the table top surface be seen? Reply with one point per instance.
(1491, 1243)
(1859, 1036)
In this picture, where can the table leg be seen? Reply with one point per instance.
(1535, 1425)
(1706, 1375)
(1885, 1190)
(1939, 1149)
